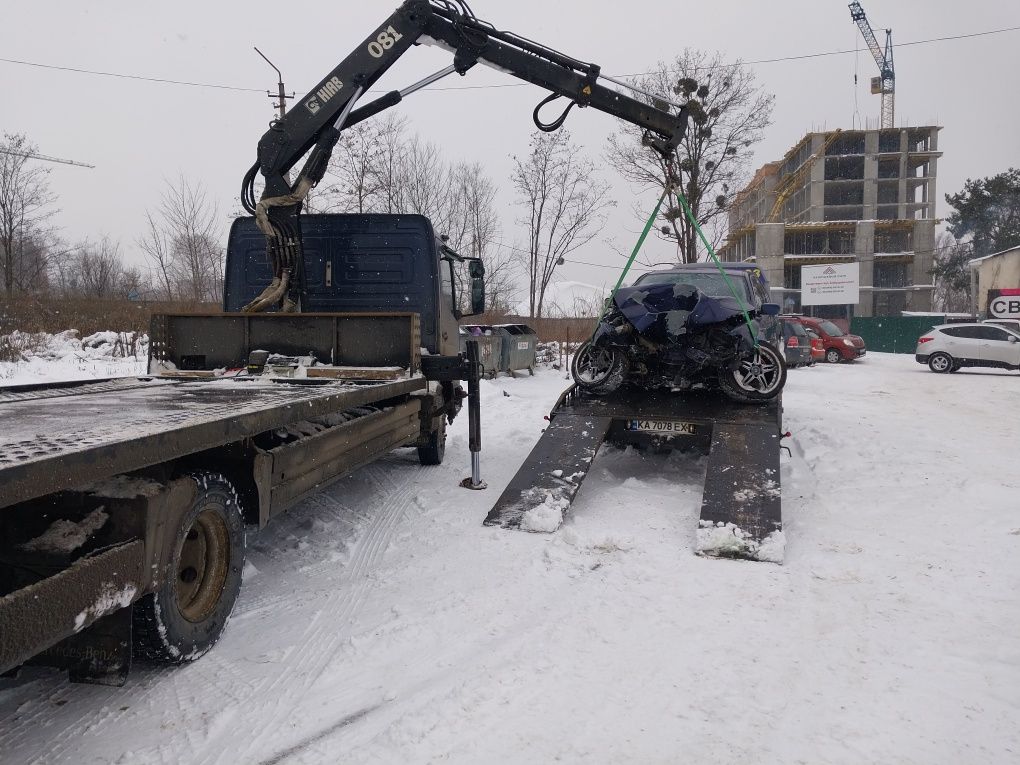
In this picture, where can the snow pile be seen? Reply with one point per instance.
(42, 357)
(547, 515)
(727, 540)
(65, 536)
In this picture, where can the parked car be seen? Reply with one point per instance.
(838, 345)
(817, 345)
(949, 347)
(796, 344)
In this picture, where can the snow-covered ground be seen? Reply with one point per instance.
(64, 356)
(380, 622)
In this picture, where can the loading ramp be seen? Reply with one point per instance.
(741, 509)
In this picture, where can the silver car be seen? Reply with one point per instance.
(949, 347)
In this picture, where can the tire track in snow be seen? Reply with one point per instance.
(97, 710)
(251, 737)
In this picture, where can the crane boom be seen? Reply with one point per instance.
(315, 122)
(885, 83)
(44, 158)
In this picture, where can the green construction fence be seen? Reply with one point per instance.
(893, 334)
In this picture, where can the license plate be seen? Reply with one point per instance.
(669, 427)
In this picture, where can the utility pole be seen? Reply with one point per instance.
(280, 92)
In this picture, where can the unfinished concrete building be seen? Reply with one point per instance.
(844, 196)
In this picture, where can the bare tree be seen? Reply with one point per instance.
(25, 206)
(728, 115)
(366, 171)
(378, 168)
(473, 228)
(952, 276)
(564, 203)
(182, 244)
(97, 269)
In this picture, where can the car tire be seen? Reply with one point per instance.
(599, 370)
(189, 609)
(736, 381)
(833, 356)
(941, 363)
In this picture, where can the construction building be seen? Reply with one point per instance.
(865, 196)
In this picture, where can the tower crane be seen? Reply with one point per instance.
(885, 83)
(44, 158)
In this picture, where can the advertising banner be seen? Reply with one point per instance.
(1004, 304)
(831, 284)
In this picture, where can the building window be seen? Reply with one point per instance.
(894, 241)
(890, 275)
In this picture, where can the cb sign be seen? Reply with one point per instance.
(1004, 304)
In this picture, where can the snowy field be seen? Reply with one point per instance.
(64, 356)
(380, 622)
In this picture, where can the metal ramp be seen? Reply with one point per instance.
(741, 510)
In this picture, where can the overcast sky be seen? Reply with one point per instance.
(139, 133)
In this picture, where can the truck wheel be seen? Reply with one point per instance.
(435, 450)
(185, 616)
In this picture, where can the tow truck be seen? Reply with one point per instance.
(123, 502)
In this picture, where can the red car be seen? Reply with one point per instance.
(839, 345)
(817, 346)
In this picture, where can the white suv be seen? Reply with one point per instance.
(949, 347)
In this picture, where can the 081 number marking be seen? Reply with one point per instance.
(383, 42)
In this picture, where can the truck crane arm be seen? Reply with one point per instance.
(316, 122)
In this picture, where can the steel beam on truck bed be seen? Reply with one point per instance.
(49, 443)
(741, 512)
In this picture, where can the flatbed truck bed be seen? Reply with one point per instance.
(123, 502)
(56, 439)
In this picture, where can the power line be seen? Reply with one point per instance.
(130, 76)
(166, 81)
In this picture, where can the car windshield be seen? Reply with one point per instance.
(831, 329)
(796, 328)
(712, 284)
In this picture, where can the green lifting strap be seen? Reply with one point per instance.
(633, 255)
(640, 241)
(733, 290)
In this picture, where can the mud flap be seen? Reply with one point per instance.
(100, 654)
(543, 488)
(741, 510)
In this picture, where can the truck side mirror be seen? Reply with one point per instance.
(476, 269)
(771, 309)
(477, 295)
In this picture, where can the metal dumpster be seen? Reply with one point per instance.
(490, 346)
(519, 345)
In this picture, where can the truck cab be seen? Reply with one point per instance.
(363, 264)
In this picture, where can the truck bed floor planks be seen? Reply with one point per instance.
(741, 511)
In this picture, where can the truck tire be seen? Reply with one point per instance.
(433, 452)
(185, 616)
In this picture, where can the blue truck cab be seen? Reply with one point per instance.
(363, 264)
